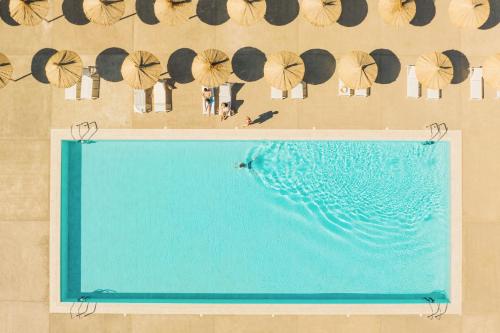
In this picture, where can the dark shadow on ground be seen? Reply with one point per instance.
(145, 10)
(38, 63)
(264, 117)
(388, 65)
(320, 66)
(109, 63)
(353, 12)
(73, 12)
(179, 65)
(460, 65)
(281, 12)
(212, 12)
(426, 10)
(235, 102)
(5, 13)
(494, 17)
(248, 64)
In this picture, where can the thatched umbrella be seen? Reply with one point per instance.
(64, 69)
(358, 70)
(28, 12)
(246, 12)
(491, 69)
(104, 12)
(211, 68)
(397, 12)
(141, 70)
(5, 70)
(434, 70)
(469, 13)
(173, 12)
(321, 12)
(284, 70)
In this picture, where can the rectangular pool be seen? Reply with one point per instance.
(270, 221)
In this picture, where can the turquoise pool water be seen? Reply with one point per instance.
(307, 222)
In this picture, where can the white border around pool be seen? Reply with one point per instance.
(454, 137)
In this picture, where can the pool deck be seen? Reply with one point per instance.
(30, 109)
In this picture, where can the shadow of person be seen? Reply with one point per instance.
(179, 65)
(281, 12)
(145, 10)
(38, 63)
(426, 10)
(353, 12)
(263, 117)
(494, 17)
(248, 64)
(5, 13)
(109, 63)
(212, 12)
(319, 66)
(460, 66)
(388, 64)
(73, 12)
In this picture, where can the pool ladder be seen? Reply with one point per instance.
(84, 131)
(84, 308)
(436, 312)
(438, 131)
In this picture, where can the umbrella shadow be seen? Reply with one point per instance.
(5, 13)
(263, 117)
(179, 65)
(319, 66)
(235, 102)
(281, 12)
(353, 12)
(460, 66)
(426, 10)
(212, 12)
(73, 12)
(494, 17)
(109, 63)
(388, 65)
(248, 64)
(145, 10)
(38, 63)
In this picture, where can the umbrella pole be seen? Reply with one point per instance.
(20, 78)
(125, 17)
(55, 18)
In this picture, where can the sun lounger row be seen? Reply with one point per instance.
(157, 99)
(86, 88)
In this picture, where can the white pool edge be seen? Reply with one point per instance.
(454, 137)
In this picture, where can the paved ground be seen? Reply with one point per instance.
(29, 109)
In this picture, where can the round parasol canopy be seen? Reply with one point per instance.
(397, 12)
(211, 68)
(469, 13)
(64, 69)
(246, 12)
(434, 70)
(28, 12)
(321, 13)
(5, 70)
(491, 69)
(173, 12)
(358, 70)
(284, 70)
(141, 70)
(104, 12)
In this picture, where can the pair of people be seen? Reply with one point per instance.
(224, 108)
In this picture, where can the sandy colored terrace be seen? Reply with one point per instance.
(29, 109)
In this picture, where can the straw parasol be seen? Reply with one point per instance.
(284, 70)
(491, 69)
(28, 12)
(64, 69)
(141, 70)
(211, 68)
(246, 12)
(104, 12)
(358, 70)
(434, 70)
(173, 12)
(321, 12)
(397, 12)
(5, 70)
(469, 13)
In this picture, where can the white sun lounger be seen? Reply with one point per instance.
(90, 84)
(225, 94)
(159, 97)
(278, 94)
(72, 93)
(142, 100)
(211, 109)
(344, 90)
(433, 94)
(362, 92)
(299, 91)
(476, 83)
(413, 87)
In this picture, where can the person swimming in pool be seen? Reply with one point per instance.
(245, 165)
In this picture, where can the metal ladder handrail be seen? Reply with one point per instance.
(84, 137)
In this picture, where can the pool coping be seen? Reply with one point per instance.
(454, 137)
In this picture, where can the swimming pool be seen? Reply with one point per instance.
(324, 221)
